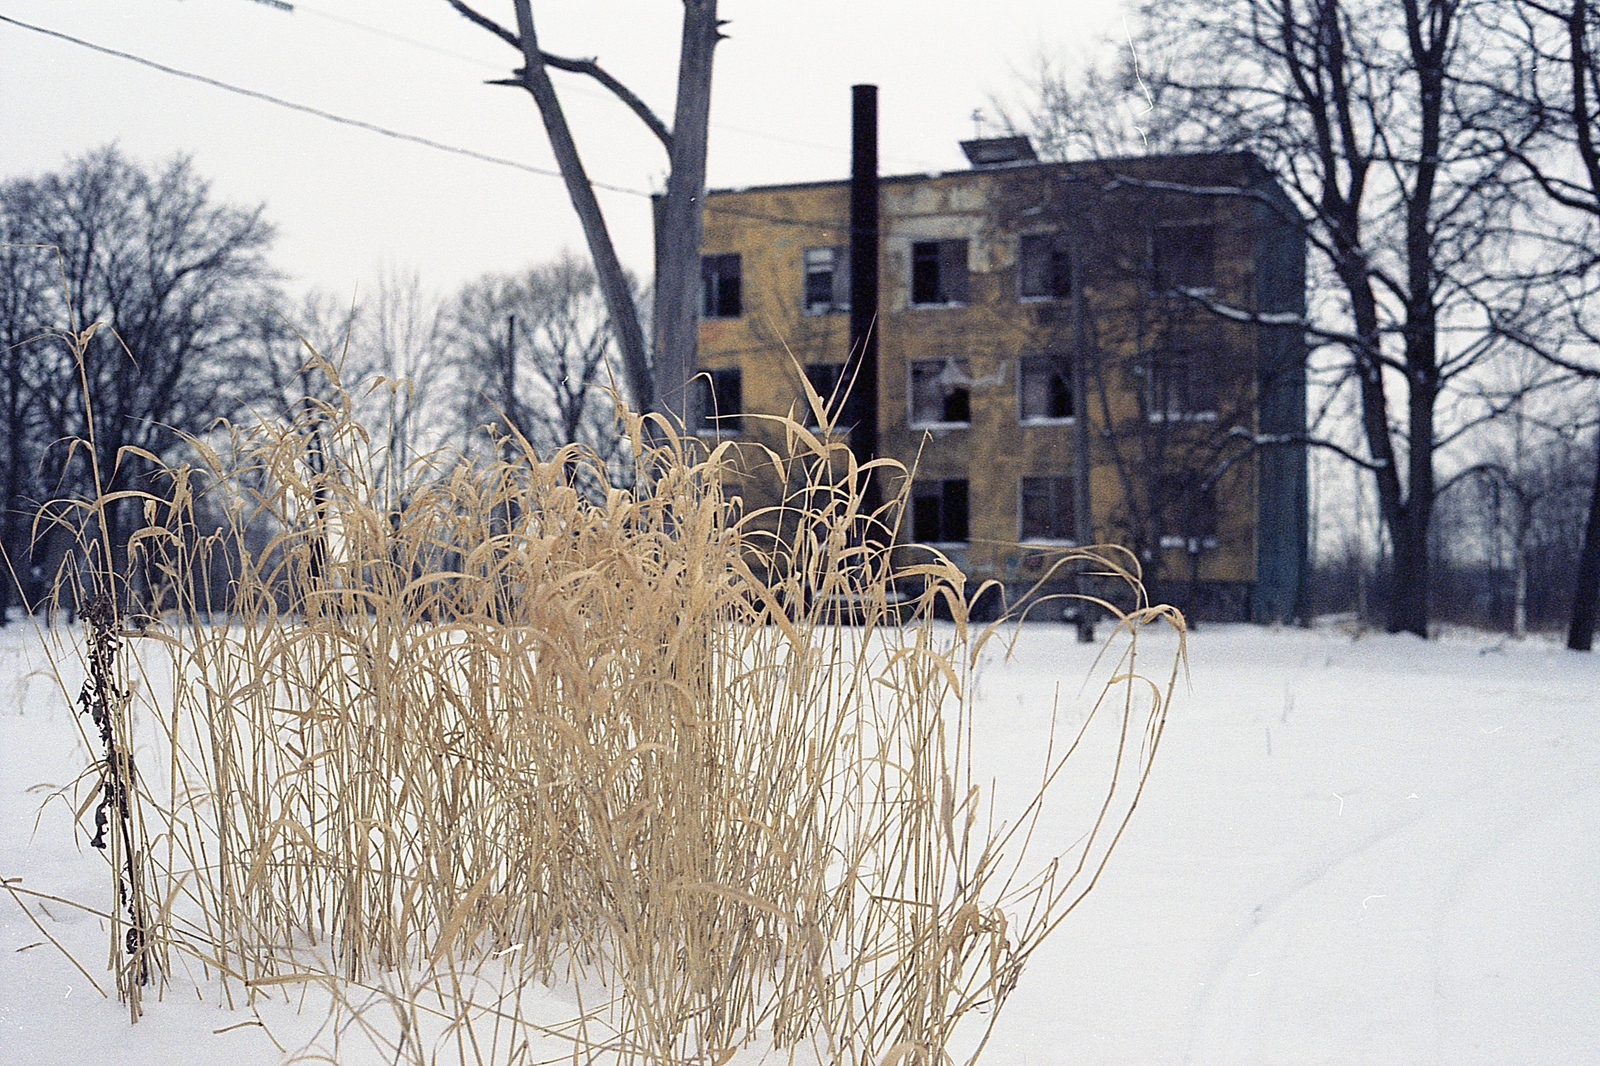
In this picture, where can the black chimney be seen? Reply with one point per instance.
(861, 408)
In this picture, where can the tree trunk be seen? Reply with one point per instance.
(677, 283)
(10, 564)
(1586, 593)
(608, 269)
(1408, 609)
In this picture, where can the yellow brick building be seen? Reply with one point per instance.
(1028, 310)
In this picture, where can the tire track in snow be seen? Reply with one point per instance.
(1507, 827)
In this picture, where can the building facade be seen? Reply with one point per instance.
(1052, 362)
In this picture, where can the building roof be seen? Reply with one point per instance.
(1132, 162)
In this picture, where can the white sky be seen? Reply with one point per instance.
(347, 201)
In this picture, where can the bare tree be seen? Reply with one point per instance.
(550, 323)
(26, 355)
(168, 274)
(405, 356)
(1367, 115)
(658, 379)
(1552, 86)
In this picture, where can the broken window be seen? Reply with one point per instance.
(719, 286)
(939, 511)
(941, 392)
(939, 272)
(1184, 256)
(1180, 386)
(1045, 508)
(1044, 389)
(1044, 271)
(824, 381)
(720, 399)
(827, 281)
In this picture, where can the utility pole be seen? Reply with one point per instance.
(509, 378)
(1082, 502)
(860, 413)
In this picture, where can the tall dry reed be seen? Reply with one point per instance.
(515, 726)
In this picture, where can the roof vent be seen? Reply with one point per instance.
(997, 151)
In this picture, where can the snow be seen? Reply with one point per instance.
(1353, 848)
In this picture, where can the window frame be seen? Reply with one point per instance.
(1174, 486)
(831, 394)
(943, 494)
(944, 256)
(964, 368)
(1154, 361)
(1064, 483)
(838, 284)
(1061, 365)
(713, 286)
(1058, 245)
(709, 424)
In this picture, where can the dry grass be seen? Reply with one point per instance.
(440, 751)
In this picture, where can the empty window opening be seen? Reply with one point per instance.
(1045, 510)
(719, 286)
(1044, 389)
(939, 272)
(1044, 271)
(939, 511)
(1184, 256)
(721, 400)
(941, 392)
(827, 281)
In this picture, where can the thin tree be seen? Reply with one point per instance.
(658, 378)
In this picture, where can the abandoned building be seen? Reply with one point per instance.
(1066, 353)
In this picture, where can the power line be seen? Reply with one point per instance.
(386, 132)
(483, 64)
(837, 149)
(308, 110)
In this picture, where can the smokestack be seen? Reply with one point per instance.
(861, 408)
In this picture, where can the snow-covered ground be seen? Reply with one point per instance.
(1352, 850)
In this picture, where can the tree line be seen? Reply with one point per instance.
(137, 308)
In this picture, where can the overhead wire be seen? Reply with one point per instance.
(307, 109)
(372, 127)
(489, 65)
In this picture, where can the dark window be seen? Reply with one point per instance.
(939, 511)
(1044, 388)
(1187, 509)
(721, 400)
(1184, 256)
(719, 286)
(827, 280)
(939, 272)
(941, 392)
(1046, 508)
(1180, 386)
(824, 380)
(1043, 269)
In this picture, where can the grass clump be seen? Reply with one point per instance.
(439, 749)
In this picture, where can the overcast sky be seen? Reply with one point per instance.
(347, 200)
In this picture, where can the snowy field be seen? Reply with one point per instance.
(1352, 850)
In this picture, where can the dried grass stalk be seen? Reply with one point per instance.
(521, 725)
